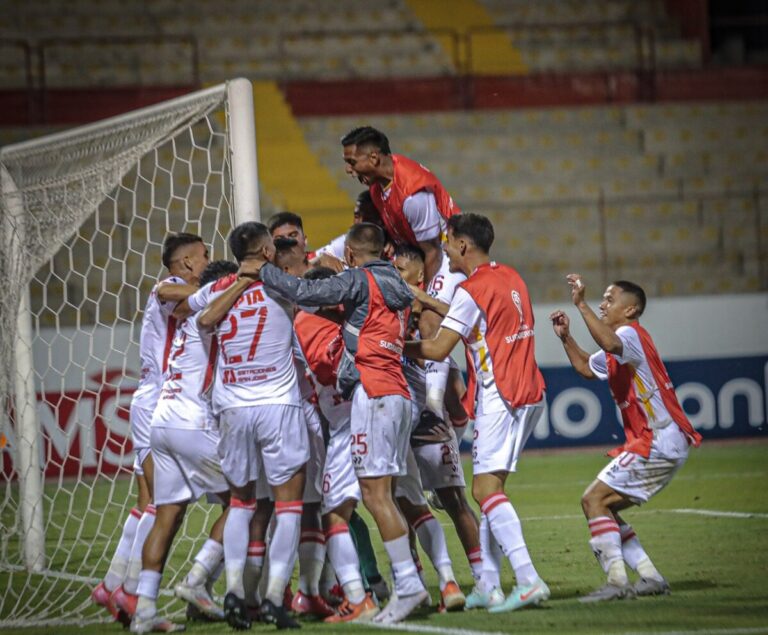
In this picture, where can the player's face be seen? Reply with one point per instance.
(412, 271)
(291, 231)
(615, 307)
(452, 248)
(197, 260)
(360, 163)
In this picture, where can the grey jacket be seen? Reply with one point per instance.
(350, 289)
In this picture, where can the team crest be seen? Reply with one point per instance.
(518, 304)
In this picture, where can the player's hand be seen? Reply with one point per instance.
(560, 324)
(420, 294)
(578, 289)
(326, 260)
(250, 267)
(430, 429)
(388, 253)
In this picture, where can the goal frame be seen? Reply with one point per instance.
(241, 132)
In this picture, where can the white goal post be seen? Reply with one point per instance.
(84, 213)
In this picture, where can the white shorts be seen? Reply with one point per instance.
(312, 487)
(141, 429)
(639, 478)
(409, 485)
(186, 465)
(499, 437)
(381, 429)
(270, 436)
(440, 464)
(339, 479)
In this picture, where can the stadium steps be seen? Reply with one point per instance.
(493, 54)
(289, 171)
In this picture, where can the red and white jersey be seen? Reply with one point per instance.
(157, 330)
(644, 395)
(255, 363)
(443, 285)
(184, 398)
(466, 318)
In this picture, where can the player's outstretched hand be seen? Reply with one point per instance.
(561, 325)
(577, 287)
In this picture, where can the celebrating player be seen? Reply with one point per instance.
(257, 400)
(412, 202)
(658, 434)
(375, 300)
(492, 313)
(184, 256)
(184, 443)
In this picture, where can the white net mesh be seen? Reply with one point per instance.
(84, 215)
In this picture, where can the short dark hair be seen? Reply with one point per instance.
(367, 136)
(284, 218)
(173, 242)
(246, 236)
(366, 208)
(366, 237)
(475, 227)
(633, 289)
(217, 269)
(319, 273)
(410, 252)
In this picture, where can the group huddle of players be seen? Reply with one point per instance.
(292, 385)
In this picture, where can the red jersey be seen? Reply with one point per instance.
(322, 345)
(633, 396)
(504, 333)
(409, 177)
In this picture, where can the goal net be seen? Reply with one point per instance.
(83, 215)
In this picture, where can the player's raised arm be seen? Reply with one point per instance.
(579, 358)
(310, 292)
(173, 291)
(604, 335)
(215, 310)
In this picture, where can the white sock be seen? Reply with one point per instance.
(475, 558)
(311, 560)
(206, 560)
(491, 558)
(432, 539)
(134, 564)
(283, 548)
(236, 533)
(606, 545)
(254, 563)
(407, 581)
(345, 561)
(505, 525)
(148, 589)
(635, 556)
(119, 565)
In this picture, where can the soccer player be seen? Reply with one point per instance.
(492, 313)
(322, 345)
(375, 301)
(184, 441)
(658, 434)
(412, 202)
(438, 458)
(185, 256)
(312, 551)
(257, 400)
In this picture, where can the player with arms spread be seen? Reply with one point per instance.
(184, 256)
(257, 399)
(658, 434)
(492, 313)
(412, 202)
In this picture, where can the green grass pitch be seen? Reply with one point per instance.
(717, 565)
